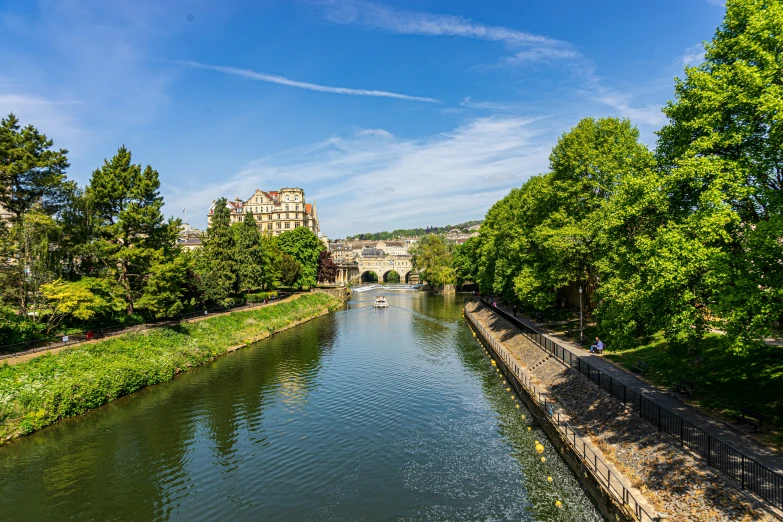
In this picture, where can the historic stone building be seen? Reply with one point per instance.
(357, 259)
(276, 211)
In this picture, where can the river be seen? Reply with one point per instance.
(364, 414)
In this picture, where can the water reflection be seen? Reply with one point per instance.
(364, 414)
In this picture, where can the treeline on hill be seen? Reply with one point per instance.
(104, 255)
(412, 232)
(679, 240)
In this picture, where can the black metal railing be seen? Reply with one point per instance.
(751, 474)
(602, 472)
(15, 350)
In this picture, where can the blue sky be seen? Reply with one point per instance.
(390, 115)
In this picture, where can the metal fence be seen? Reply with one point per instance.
(751, 474)
(600, 469)
(18, 349)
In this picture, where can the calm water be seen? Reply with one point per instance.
(388, 414)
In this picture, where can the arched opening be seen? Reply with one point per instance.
(391, 277)
(369, 277)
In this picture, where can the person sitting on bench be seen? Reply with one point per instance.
(598, 347)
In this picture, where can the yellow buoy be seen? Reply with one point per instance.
(517, 406)
(543, 459)
(523, 415)
(537, 443)
(529, 428)
(558, 504)
(539, 448)
(549, 479)
(508, 389)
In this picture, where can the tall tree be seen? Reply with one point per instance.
(327, 270)
(249, 254)
(432, 258)
(290, 270)
(304, 246)
(125, 204)
(31, 172)
(723, 156)
(218, 262)
(270, 268)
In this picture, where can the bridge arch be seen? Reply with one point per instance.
(369, 276)
(392, 277)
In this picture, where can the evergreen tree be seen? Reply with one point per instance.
(270, 268)
(31, 173)
(218, 264)
(130, 233)
(290, 271)
(250, 255)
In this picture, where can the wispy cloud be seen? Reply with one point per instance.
(377, 16)
(392, 183)
(281, 80)
(694, 55)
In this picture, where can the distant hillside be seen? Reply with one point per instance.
(408, 232)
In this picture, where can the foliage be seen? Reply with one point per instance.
(290, 270)
(38, 392)
(465, 260)
(83, 299)
(260, 297)
(31, 172)
(305, 247)
(217, 264)
(432, 258)
(166, 288)
(270, 272)
(412, 232)
(130, 233)
(327, 270)
(249, 255)
(392, 277)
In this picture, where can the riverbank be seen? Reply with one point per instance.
(37, 393)
(668, 476)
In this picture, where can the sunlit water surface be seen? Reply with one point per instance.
(366, 414)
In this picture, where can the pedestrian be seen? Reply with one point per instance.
(90, 335)
(515, 310)
(65, 339)
(597, 347)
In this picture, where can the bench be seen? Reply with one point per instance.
(641, 367)
(751, 417)
(685, 386)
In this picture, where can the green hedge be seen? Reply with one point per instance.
(260, 296)
(37, 393)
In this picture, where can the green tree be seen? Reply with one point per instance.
(466, 257)
(31, 172)
(166, 287)
(290, 270)
(304, 246)
(432, 258)
(83, 299)
(218, 265)
(723, 155)
(270, 268)
(250, 256)
(125, 208)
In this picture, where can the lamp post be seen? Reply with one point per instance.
(581, 324)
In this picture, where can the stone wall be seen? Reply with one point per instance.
(672, 480)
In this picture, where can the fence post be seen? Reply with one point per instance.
(709, 450)
(743, 471)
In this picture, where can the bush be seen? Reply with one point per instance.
(259, 297)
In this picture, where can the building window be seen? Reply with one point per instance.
(269, 226)
(296, 199)
(288, 198)
(287, 224)
(286, 207)
(278, 224)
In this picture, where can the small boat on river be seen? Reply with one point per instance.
(380, 302)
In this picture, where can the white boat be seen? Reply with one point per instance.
(380, 302)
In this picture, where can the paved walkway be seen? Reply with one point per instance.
(718, 429)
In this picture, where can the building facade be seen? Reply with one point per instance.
(276, 211)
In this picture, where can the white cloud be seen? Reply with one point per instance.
(280, 80)
(363, 184)
(694, 55)
(376, 16)
(376, 132)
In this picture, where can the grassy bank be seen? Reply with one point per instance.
(37, 393)
(725, 382)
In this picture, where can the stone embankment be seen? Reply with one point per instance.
(673, 481)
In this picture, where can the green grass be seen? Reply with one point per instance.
(725, 382)
(38, 392)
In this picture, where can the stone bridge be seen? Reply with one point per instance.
(381, 266)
